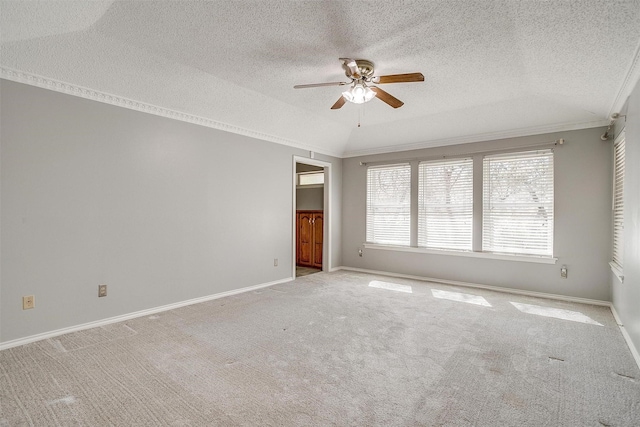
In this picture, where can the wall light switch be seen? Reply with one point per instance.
(102, 291)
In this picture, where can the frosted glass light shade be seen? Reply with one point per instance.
(359, 94)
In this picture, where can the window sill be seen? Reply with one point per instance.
(615, 268)
(486, 255)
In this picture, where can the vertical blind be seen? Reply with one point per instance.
(518, 203)
(445, 204)
(389, 204)
(618, 202)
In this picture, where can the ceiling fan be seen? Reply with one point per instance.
(360, 71)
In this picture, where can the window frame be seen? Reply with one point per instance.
(517, 214)
(370, 232)
(477, 217)
(459, 209)
(617, 206)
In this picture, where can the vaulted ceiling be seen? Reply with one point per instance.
(493, 68)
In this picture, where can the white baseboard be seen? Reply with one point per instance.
(141, 313)
(150, 311)
(488, 287)
(627, 337)
(625, 334)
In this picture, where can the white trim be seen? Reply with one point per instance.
(480, 286)
(631, 79)
(141, 313)
(627, 337)
(620, 136)
(306, 187)
(491, 136)
(615, 269)
(120, 101)
(326, 232)
(470, 254)
(615, 316)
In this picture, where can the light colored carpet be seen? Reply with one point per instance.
(334, 349)
(305, 271)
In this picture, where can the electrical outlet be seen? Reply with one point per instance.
(275, 262)
(28, 302)
(102, 291)
(563, 272)
(360, 252)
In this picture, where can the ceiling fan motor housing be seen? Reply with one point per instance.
(360, 73)
(364, 66)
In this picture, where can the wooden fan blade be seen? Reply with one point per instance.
(321, 85)
(400, 78)
(352, 66)
(339, 103)
(388, 98)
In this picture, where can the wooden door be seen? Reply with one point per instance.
(305, 239)
(297, 238)
(318, 224)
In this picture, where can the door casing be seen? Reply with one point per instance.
(326, 232)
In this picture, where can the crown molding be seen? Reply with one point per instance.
(75, 90)
(628, 84)
(491, 136)
(120, 101)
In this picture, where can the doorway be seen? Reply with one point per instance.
(310, 216)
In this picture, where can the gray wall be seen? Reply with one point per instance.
(160, 210)
(310, 199)
(582, 223)
(626, 296)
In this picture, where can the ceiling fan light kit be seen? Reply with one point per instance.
(359, 93)
(360, 71)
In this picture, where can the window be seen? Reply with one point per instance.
(311, 178)
(389, 204)
(518, 203)
(618, 202)
(496, 205)
(445, 204)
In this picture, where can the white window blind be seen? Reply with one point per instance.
(518, 203)
(389, 204)
(618, 202)
(445, 204)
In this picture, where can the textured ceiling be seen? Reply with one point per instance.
(492, 68)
